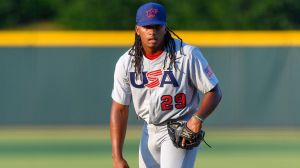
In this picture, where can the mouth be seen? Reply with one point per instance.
(152, 40)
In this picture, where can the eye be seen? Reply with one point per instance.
(157, 27)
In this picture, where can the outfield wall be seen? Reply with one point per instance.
(71, 84)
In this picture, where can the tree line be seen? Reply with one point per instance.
(183, 15)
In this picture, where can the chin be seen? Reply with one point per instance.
(152, 45)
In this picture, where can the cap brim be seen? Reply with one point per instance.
(151, 22)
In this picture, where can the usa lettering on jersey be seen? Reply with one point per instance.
(153, 79)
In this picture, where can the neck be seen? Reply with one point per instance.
(153, 56)
(153, 50)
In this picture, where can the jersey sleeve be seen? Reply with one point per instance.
(201, 74)
(121, 92)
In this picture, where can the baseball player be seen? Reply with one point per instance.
(163, 77)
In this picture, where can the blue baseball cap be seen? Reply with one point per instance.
(151, 14)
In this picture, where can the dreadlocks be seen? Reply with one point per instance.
(169, 45)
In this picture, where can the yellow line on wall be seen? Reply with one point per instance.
(126, 38)
(66, 38)
(243, 38)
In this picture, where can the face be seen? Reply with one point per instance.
(152, 37)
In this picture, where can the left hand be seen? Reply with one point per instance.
(194, 125)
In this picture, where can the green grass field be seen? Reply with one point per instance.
(89, 147)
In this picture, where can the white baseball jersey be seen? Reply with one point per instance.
(160, 93)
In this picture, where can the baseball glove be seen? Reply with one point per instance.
(178, 130)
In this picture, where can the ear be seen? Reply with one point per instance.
(166, 29)
(137, 30)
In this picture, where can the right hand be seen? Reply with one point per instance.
(120, 163)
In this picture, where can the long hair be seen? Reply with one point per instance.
(169, 45)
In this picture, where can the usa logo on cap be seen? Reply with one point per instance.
(151, 13)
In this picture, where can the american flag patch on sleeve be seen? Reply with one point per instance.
(208, 71)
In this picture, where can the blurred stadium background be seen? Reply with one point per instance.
(57, 59)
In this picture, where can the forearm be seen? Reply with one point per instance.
(118, 126)
(209, 102)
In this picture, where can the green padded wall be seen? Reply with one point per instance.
(72, 85)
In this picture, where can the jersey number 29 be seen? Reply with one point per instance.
(167, 102)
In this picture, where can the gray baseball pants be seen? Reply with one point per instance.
(156, 150)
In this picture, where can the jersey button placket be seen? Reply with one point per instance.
(151, 105)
